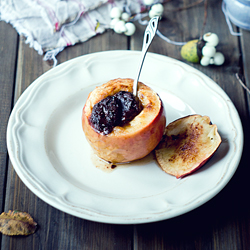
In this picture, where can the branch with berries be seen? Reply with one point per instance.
(201, 51)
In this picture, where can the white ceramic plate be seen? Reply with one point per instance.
(49, 152)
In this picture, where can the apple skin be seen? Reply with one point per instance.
(187, 144)
(134, 140)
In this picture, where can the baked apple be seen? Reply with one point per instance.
(126, 141)
(187, 144)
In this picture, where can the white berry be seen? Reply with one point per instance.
(211, 39)
(115, 12)
(148, 2)
(120, 27)
(219, 58)
(130, 29)
(205, 61)
(158, 9)
(113, 22)
(125, 16)
(208, 51)
(152, 14)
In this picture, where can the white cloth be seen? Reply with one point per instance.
(51, 25)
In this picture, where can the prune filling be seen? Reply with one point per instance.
(130, 106)
(112, 111)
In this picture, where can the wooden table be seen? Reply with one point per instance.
(221, 223)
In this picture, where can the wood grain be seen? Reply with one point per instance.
(245, 54)
(8, 43)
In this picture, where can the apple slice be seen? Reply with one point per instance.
(187, 144)
(133, 140)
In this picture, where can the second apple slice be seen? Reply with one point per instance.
(187, 144)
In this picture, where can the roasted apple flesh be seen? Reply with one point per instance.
(134, 139)
(187, 144)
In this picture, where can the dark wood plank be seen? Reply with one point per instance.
(245, 51)
(103, 42)
(223, 222)
(58, 230)
(8, 50)
(245, 222)
(245, 38)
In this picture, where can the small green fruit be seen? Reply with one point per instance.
(189, 51)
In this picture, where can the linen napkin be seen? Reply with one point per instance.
(51, 25)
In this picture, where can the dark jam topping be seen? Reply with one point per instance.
(105, 115)
(129, 106)
(116, 110)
